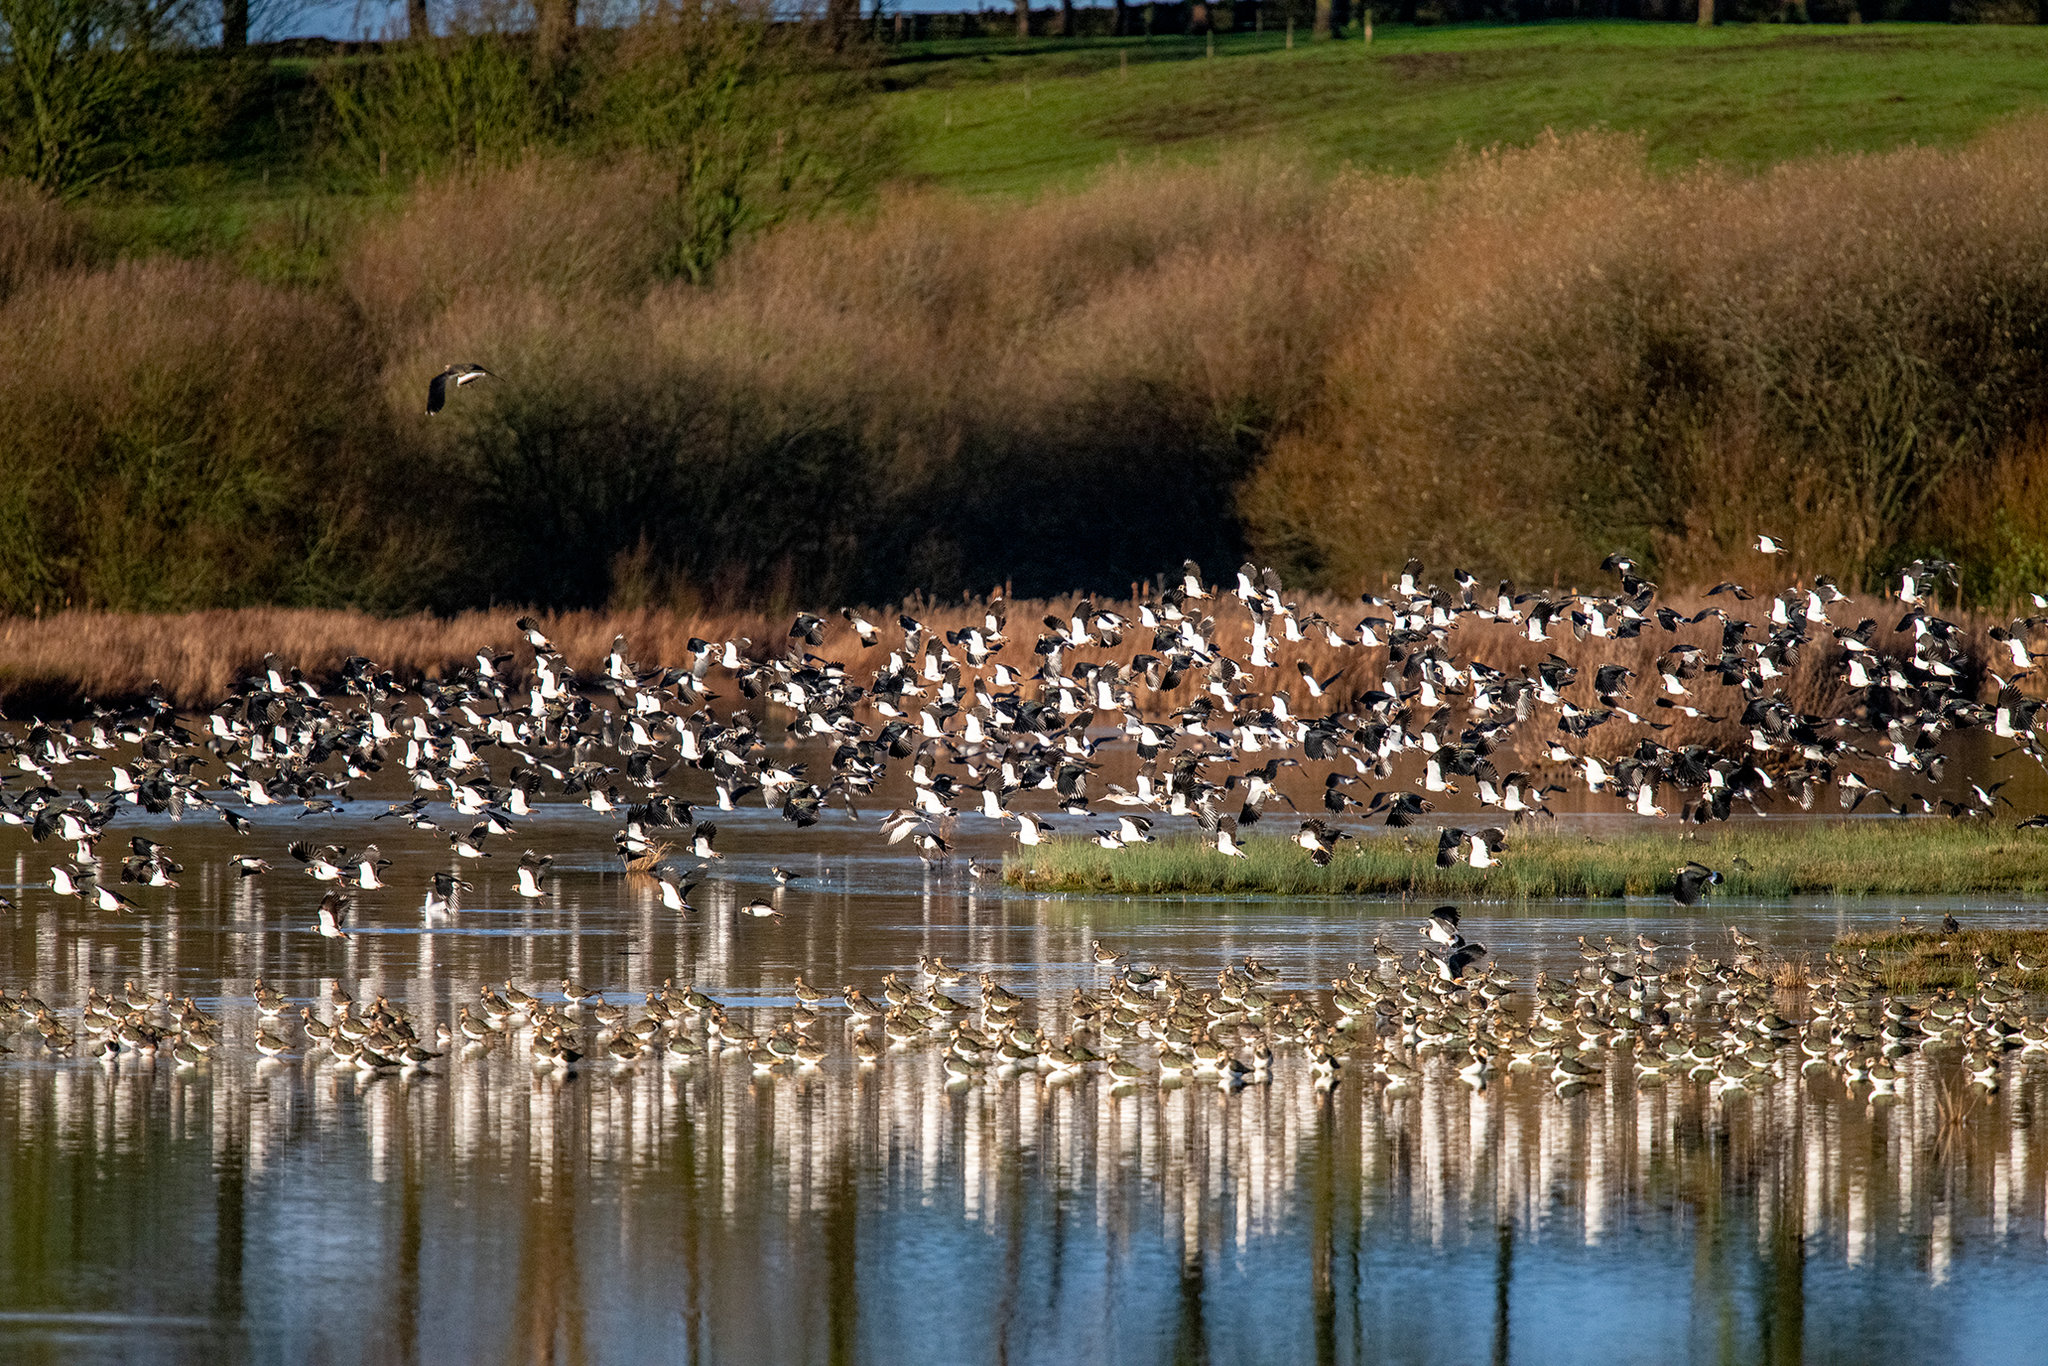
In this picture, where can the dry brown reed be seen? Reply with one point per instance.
(653, 857)
(1791, 974)
(1566, 355)
(37, 236)
(50, 664)
(198, 657)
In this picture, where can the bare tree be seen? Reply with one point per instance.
(74, 76)
(554, 32)
(842, 20)
(417, 26)
(240, 22)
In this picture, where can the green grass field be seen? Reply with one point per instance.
(1001, 116)
(1867, 857)
(1011, 117)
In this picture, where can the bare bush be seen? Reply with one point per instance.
(1513, 367)
(548, 225)
(1573, 356)
(38, 236)
(179, 437)
(942, 395)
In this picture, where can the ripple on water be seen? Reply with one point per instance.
(290, 1211)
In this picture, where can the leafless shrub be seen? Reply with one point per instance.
(1567, 355)
(37, 236)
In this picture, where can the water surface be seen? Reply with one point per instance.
(291, 1211)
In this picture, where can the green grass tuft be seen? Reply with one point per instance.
(1923, 960)
(1855, 858)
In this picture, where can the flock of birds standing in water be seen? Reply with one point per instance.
(993, 730)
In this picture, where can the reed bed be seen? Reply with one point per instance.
(1921, 959)
(1850, 858)
(37, 237)
(51, 664)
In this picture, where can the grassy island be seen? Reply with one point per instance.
(1923, 958)
(1854, 857)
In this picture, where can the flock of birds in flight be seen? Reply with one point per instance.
(983, 735)
(991, 731)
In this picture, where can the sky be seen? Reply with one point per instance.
(337, 19)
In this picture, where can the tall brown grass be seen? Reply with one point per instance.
(53, 664)
(1567, 355)
(1512, 367)
(37, 236)
(56, 662)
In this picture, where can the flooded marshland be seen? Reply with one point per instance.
(700, 1208)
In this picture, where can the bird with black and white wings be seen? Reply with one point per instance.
(532, 867)
(333, 910)
(460, 374)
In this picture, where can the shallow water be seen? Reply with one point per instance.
(286, 1210)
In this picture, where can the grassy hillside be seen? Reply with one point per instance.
(1011, 117)
(1000, 116)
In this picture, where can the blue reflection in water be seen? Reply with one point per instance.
(288, 1211)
